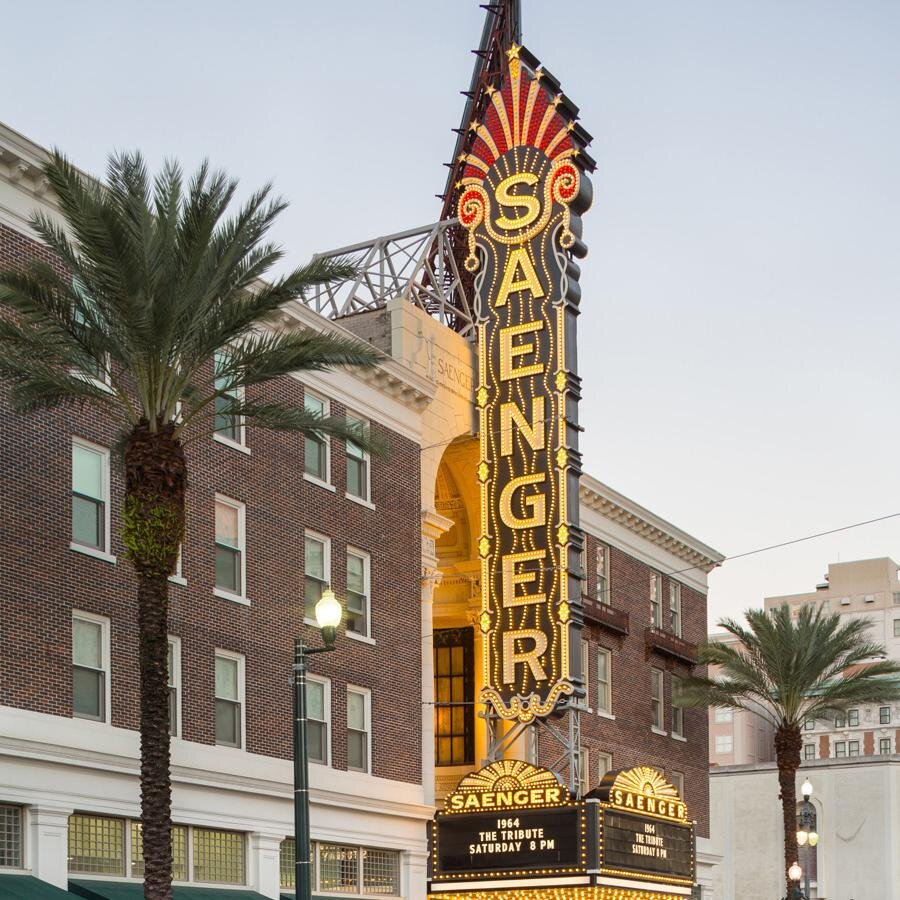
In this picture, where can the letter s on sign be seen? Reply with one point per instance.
(531, 205)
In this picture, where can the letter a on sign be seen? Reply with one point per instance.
(523, 189)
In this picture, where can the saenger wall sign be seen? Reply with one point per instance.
(522, 192)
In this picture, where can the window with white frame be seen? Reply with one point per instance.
(896, 627)
(884, 715)
(852, 717)
(809, 751)
(884, 746)
(604, 765)
(358, 464)
(584, 770)
(287, 864)
(109, 846)
(604, 681)
(676, 779)
(586, 669)
(90, 496)
(359, 571)
(344, 869)
(853, 748)
(675, 607)
(656, 699)
(228, 427)
(677, 711)
(724, 743)
(656, 600)
(840, 720)
(603, 573)
(173, 666)
(316, 446)
(359, 728)
(317, 570)
(11, 856)
(90, 666)
(840, 748)
(93, 369)
(318, 713)
(809, 725)
(230, 543)
(724, 714)
(229, 699)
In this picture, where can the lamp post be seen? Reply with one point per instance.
(328, 617)
(806, 833)
(795, 873)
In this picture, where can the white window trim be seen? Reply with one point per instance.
(730, 738)
(367, 707)
(106, 654)
(241, 445)
(176, 665)
(601, 756)
(606, 713)
(242, 547)
(367, 584)
(656, 599)
(677, 735)
(178, 578)
(675, 595)
(326, 411)
(602, 571)
(326, 702)
(309, 614)
(242, 694)
(586, 673)
(105, 555)
(662, 701)
(367, 500)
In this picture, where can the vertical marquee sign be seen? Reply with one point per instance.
(521, 195)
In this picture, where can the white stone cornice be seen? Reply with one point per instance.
(635, 518)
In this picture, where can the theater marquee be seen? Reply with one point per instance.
(521, 194)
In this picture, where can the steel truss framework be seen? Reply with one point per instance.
(417, 265)
(566, 765)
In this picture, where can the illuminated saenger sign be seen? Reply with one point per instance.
(521, 195)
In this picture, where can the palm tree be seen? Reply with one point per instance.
(160, 296)
(790, 673)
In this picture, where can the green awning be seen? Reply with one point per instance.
(134, 890)
(27, 887)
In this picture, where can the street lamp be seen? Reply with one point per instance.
(795, 873)
(328, 617)
(806, 833)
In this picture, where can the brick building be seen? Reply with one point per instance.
(271, 519)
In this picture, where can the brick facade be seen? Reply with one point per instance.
(45, 580)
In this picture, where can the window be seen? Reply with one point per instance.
(317, 569)
(173, 662)
(586, 669)
(853, 748)
(90, 496)
(840, 748)
(809, 751)
(604, 681)
(677, 711)
(230, 567)
(103, 845)
(724, 743)
(344, 869)
(852, 717)
(229, 699)
(604, 765)
(228, 427)
(840, 721)
(897, 596)
(809, 725)
(454, 690)
(219, 856)
(90, 666)
(656, 698)
(315, 456)
(884, 715)
(318, 714)
(10, 836)
(656, 600)
(676, 779)
(724, 714)
(359, 728)
(96, 845)
(675, 607)
(358, 592)
(94, 369)
(896, 627)
(603, 573)
(179, 840)
(357, 464)
(884, 746)
(287, 863)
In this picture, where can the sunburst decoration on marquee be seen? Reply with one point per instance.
(524, 112)
(647, 781)
(509, 775)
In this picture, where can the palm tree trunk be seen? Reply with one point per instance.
(788, 743)
(153, 517)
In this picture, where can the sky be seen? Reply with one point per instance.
(740, 315)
